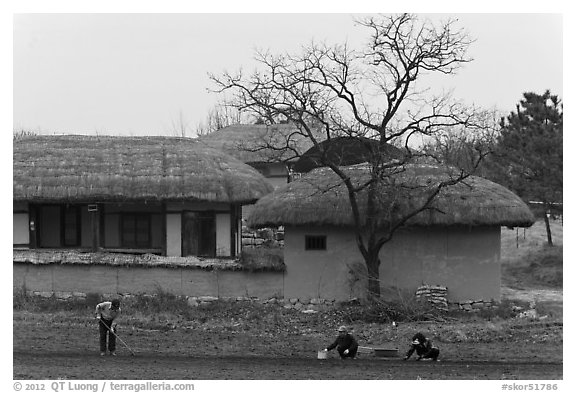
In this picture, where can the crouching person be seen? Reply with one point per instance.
(423, 347)
(345, 344)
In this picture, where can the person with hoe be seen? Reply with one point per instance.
(106, 313)
(345, 344)
(423, 347)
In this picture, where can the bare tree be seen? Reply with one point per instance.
(329, 91)
(222, 115)
(180, 126)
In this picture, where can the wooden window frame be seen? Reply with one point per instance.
(137, 216)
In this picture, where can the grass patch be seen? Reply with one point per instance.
(527, 260)
(21, 300)
(540, 267)
(263, 259)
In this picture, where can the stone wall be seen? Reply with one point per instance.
(437, 296)
(304, 305)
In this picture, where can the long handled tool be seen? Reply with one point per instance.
(115, 335)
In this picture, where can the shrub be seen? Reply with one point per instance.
(24, 301)
(161, 302)
(263, 259)
(402, 308)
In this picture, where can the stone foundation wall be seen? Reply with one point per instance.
(304, 305)
(437, 296)
(473, 305)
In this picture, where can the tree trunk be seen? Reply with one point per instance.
(548, 231)
(373, 265)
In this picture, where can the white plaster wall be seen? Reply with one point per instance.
(466, 260)
(20, 230)
(223, 235)
(320, 274)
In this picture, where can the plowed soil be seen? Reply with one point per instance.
(61, 348)
(150, 366)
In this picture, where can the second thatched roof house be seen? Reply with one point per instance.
(157, 195)
(455, 244)
(271, 149)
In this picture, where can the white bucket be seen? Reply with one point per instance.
(322, 354)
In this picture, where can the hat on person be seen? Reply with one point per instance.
(342, 329)
(115, 303)
(416, 342)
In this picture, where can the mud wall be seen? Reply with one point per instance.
(55, 278)
(465, 260)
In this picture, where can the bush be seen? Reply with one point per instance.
(263, 259)
(402, 308)
(161, 302)
(23, 301)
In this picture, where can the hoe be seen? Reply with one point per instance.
(122, 341)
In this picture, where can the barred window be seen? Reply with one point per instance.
(315, 242)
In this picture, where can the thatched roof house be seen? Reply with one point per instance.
(258, 143)
(271, 149)
(455, 244)
(162, 195)
(320, 198)
(107, 168)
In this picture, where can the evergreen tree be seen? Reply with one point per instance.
(528, 154)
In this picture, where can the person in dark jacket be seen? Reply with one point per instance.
(345, 344)
(423, 347)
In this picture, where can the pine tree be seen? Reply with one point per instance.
(529, 152)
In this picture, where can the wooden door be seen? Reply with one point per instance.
(199, 234)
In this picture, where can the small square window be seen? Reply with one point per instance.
(315, 242)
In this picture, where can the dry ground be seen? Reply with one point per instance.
(57, 346)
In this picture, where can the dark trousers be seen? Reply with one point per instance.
(351, 352)
(432, 354)
(105, 333)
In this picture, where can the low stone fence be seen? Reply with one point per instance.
(436, 295)
(262, 237)
(473, 305)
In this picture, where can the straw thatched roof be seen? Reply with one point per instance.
(345, 151)
(258, 143)
(107, 168)
(319, 198)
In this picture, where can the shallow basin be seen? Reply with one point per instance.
(386, 352)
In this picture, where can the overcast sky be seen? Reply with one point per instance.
(139, 74)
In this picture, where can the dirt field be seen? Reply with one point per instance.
(146, 366)
(68, 349)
